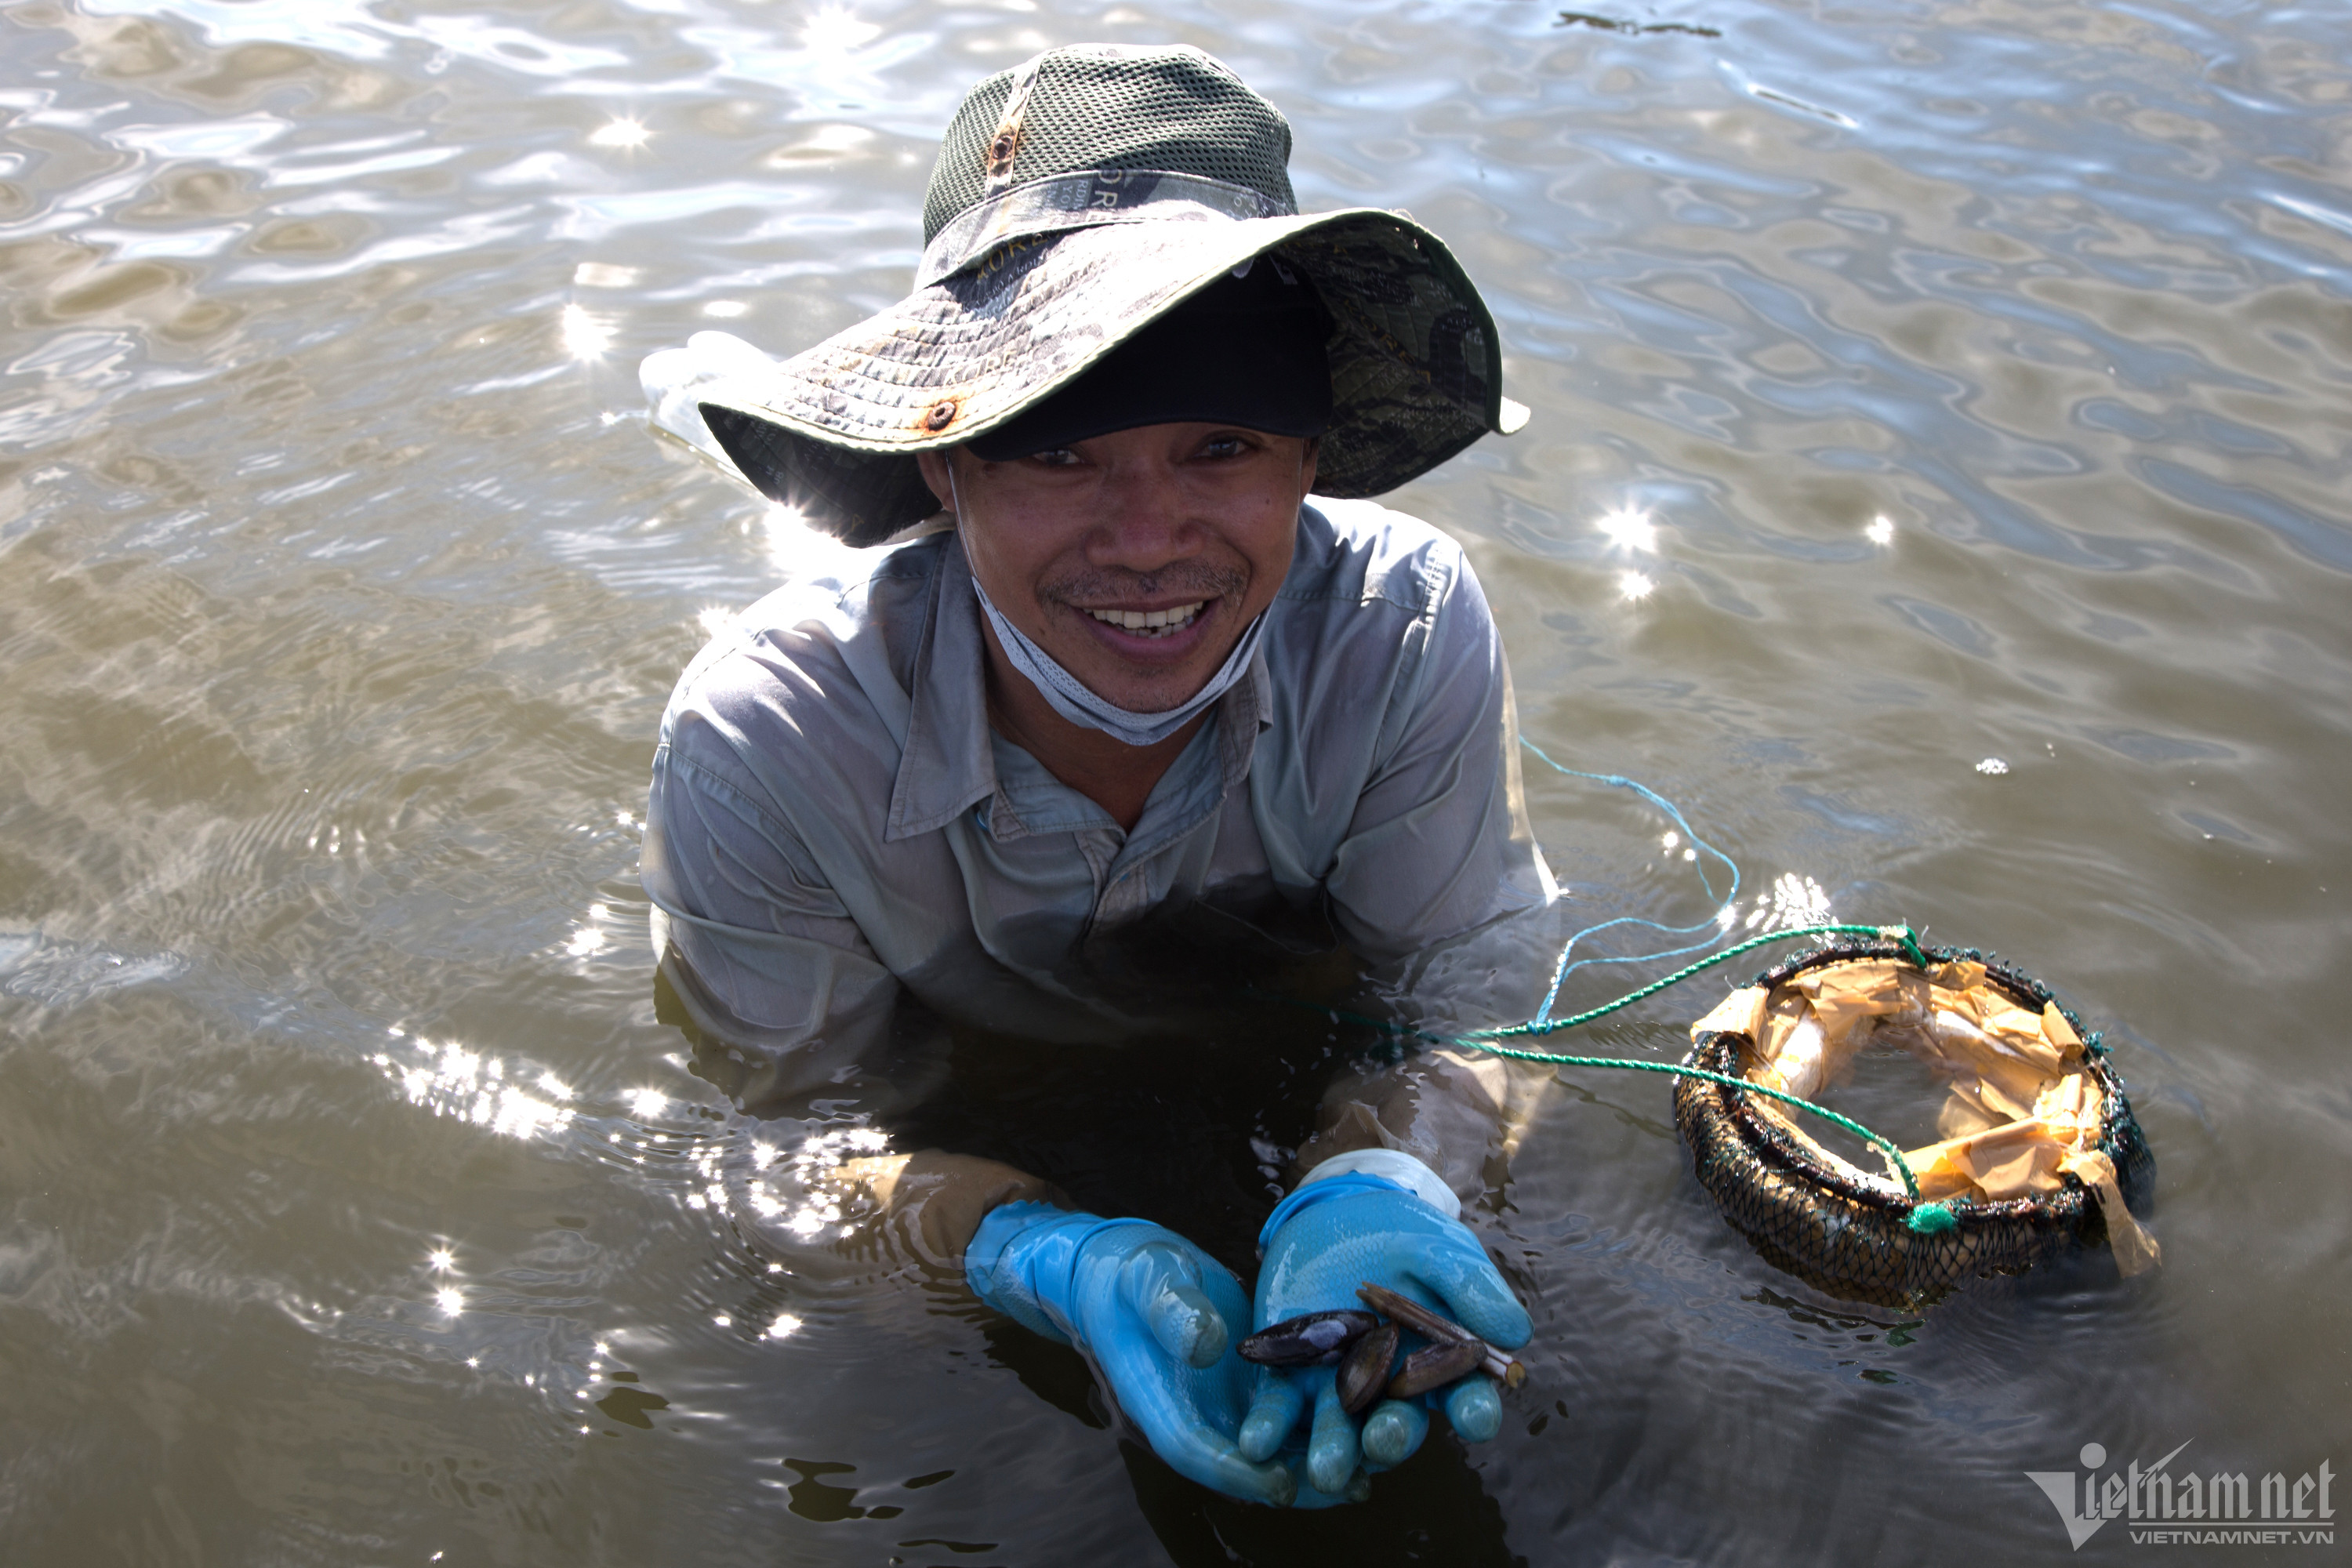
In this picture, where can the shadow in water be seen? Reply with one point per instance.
(1430, 1508)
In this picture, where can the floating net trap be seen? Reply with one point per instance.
(2039, 1150)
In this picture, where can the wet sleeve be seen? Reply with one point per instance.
(794, 1016)
(1460, 1114)
(1439, 853)
(756, 945)
(1439, 841)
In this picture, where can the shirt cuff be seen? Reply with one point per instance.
(1391, 1165)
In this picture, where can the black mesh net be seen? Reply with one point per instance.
(1850, 1238)
(1172, 110)
(1410, 361)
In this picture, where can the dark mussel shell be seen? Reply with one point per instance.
(1365, 1372)
(1434, 1366)
(1314, 1339)
(1415, 1316)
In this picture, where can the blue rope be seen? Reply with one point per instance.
(1563, 969)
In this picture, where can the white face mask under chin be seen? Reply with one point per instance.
(1072, 700)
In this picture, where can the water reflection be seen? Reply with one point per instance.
(450, 1080)
(1630, 527)
(622, 132)
(61, 973)
(345, 585)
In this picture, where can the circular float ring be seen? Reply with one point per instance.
(1849, 1238)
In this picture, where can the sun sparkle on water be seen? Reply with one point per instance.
(623, 131)
(835, 30)
(585, 337)
(1631, 527)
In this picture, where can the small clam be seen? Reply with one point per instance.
(1366, 1369)
(1434, 1366)
(1315, 1339)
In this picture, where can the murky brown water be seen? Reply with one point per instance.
(1984, 370)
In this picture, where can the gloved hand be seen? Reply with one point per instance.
(1152, 1312)
(1333, 1234)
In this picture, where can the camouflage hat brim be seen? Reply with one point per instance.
(1416, 370)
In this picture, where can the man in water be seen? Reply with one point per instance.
(1115, 667)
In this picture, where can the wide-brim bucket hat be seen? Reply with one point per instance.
(1078, 198)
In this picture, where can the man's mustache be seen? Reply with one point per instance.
(1184, 579)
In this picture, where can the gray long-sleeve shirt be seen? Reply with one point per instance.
(832, 816)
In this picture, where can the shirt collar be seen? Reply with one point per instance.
(945, 767)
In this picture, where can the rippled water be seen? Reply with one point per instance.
(1980, 369)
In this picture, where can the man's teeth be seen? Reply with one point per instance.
(1150, 622)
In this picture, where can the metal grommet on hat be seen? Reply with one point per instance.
(1077, 200)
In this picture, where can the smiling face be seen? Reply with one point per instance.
(1136, 559)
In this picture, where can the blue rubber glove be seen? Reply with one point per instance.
(1320, 1244)
(1152, 1312)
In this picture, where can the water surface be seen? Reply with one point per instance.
(1915, 385)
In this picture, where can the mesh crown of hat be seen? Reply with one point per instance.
(1172, 109)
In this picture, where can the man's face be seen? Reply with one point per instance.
(1136, 559)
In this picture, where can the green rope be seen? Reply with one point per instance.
(1885, 934)
(1926, 1218)
(1910, 1182)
